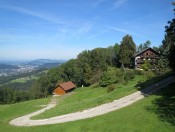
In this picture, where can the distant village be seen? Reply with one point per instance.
(19, 70)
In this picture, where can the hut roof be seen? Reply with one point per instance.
(67, 85)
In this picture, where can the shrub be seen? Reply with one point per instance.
(108, 77)
(130, 74)
(110, 88)
(146, 66)
(112, 75)
(119, 74)
(95, 85)
(149, 74)
(139, 72)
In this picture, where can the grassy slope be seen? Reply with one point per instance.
(11, 111)
(132, 118)
(88, 97)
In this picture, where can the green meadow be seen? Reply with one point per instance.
(144, 115)
(24, 79)
(87, 97)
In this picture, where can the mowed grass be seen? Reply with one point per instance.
(133, 118)
(11, 111)
(21, 108)
(87, 97)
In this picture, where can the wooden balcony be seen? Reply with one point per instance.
(149, 56)
(140, 61)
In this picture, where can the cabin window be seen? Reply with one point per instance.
(146, 53)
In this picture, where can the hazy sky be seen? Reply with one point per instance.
(61, 29)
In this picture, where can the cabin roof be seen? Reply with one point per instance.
(138, 53)
(67, 85)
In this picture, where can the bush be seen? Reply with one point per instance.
(95, 85)
(110, 88)
(111, 76)
(139, 72)
(108, 77)
(146, 66)
(130, 74)
(149, 74)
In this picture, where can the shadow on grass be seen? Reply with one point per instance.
(164, 106)
(149, 82)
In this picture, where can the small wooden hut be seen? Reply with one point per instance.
(63, 88)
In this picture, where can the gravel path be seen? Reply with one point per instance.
(92, 112)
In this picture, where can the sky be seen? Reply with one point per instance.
(61, 29)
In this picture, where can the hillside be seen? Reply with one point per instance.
(5, 66)
(147, 114)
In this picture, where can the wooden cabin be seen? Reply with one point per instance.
(146, 54)
(64, 88)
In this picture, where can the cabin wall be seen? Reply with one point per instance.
(59, 91)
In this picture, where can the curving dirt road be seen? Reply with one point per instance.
(92, 112)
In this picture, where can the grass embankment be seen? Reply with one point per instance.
(141, 116)
(88, 97)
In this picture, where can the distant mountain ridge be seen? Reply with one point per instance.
(44, 61)
(49, 65)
